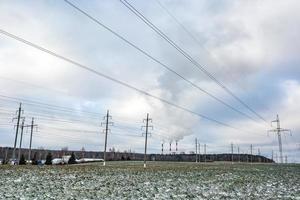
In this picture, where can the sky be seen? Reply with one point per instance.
(251, 47)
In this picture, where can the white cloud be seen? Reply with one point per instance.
(245, 38)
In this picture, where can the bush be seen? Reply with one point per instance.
(48, 159)
(22, 160)
(72, 159)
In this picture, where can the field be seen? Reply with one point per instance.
(161, 180)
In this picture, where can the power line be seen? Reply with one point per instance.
(42, 117)
(158, 61)
(186, 55)
(178, 22)
(112, 79)
(45, 105)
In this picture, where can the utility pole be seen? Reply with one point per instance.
(251, 149)
(22, 128)
(239, 153)
(199, 159)
(278, 131)
(272, 155)
(286, 159)
(196, 143)
(147, 120)
(31, 131)
(106, 123)
(204, 152)
(17, 130)
(231, 153)
(6, 152)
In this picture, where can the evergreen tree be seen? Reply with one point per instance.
(49, 159)
(34, 159)
(22, 160)
(72, 159)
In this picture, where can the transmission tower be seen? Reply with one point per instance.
(278, 131)
(199, 156)
(32, 125)
(20, 146)
(239, 155)
(147, 126)
(18, 118)
(204, 152)
(231, 153)
(272, 155)
(251, 157)
(196, 143)
(106, 130)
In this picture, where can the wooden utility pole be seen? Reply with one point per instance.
(147, 120)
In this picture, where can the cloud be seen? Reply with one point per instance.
(251, 46)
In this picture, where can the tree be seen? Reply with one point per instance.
(22, 160)
(48, 159)
(72, 159)
(34, 159)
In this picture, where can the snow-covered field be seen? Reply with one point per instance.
(161, 180)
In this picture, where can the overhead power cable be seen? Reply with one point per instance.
(157, 61)
(3, 32)
(59, 108)
(187, 56)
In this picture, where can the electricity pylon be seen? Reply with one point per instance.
(106, 123)
(19, 117)
(196, 145)
(147, 126)
(32, 125)
(278, 131)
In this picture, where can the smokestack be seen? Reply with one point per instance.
(176, 146)
(162, 148)
(170, 147)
